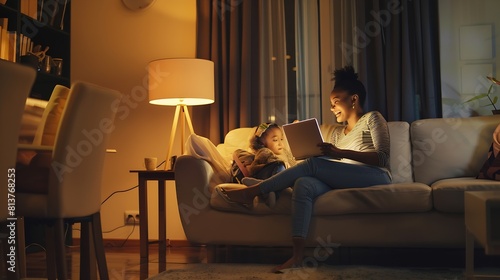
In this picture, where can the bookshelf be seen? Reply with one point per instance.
(42, 23)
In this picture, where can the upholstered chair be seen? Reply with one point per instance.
(68, 188)
(15, 85)
(46, 132)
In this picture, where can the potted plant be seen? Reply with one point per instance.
(493, 101)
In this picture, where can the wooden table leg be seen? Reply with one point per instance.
(143, 228)
(469, 255)
(162, 226)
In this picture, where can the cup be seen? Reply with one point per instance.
(150, 163)
(172, 162)
(46, 64)
(57, 66)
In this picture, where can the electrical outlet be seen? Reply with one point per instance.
(131, 217)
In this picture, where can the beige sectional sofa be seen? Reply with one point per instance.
(433, 161)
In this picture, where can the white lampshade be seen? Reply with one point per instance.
(181, 81)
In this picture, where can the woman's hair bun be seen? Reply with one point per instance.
(345, 74)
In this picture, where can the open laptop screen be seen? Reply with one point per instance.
(303, 138)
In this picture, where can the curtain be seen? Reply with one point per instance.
(398, 44)
(273, 63)
(290, 68)
(308, 64)
(228, 35)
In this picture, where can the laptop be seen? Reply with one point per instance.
(303, 138)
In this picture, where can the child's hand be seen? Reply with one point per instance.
(328, 149)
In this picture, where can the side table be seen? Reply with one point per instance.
(482, 223)
(160, 176)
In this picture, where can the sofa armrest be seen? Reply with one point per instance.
(192, 183)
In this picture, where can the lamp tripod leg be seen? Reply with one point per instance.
(172, 135)
(188, 118)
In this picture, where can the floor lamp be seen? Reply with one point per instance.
(180, 82)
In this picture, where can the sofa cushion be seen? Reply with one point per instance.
(450, 147)
(400, 159)
(238, 138)
(448, 194)
(393, 198)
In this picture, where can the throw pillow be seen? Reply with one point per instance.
(491, 167)
(202, 148)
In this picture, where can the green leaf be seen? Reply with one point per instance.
(482, 95)
(495, 99)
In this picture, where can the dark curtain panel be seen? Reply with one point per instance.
(228, 34)
(398, 44)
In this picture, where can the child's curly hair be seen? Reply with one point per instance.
(260, 132)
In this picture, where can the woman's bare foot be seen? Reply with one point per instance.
(298, 255)
(291, 263)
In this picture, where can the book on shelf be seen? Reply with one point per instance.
(52, 12)
(12, 54)
(25, 44)
(29, 8)
(58, 18)
(4, 38)
(63, 14)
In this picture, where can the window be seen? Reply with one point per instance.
(290, 55)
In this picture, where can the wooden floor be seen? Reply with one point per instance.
(123, 262)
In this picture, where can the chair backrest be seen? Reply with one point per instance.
(15, 84)
(79, 151)
(49, 123)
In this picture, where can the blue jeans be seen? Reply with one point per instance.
(316, 176)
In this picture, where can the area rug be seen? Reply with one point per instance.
(258, 271)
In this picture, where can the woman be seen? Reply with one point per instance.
(360, 146)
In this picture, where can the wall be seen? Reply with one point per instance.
(466, 60)
(111, 46)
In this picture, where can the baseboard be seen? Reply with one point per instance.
(136, 243)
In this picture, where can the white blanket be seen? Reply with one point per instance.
(203, 148)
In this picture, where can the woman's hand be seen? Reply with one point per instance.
(328, 149)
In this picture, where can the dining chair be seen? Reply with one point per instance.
(72, 191)
(51, 117)
(15, 85)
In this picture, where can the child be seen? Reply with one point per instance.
(270, 156)
(269, 145)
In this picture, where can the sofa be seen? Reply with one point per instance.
(433, 162)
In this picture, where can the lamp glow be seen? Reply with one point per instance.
(181, 82)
